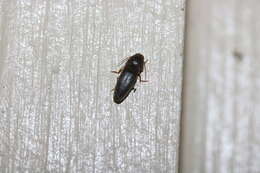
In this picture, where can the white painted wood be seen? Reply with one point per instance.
(220, 121)
(56, 109)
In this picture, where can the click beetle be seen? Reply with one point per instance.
(129, 74)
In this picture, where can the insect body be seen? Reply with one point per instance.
(128, 77)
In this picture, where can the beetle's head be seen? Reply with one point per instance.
(138, 57)
(138, 61)
(135, 64)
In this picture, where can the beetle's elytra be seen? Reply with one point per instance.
(128, 77)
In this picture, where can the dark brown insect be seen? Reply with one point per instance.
(129, 74)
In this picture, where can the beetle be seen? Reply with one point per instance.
(129, 74)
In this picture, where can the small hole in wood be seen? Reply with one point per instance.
(238, 55)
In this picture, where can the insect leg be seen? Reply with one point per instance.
(140, 79)
(145, 69)
(117, 72)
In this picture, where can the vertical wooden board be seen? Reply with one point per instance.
(56, 108)
(221, 101)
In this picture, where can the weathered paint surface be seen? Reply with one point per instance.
(56, 108)
(221, 113)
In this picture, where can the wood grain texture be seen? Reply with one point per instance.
(56, 109)
(220, 121)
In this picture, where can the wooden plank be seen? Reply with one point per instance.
(220, 120)
(56, 108)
